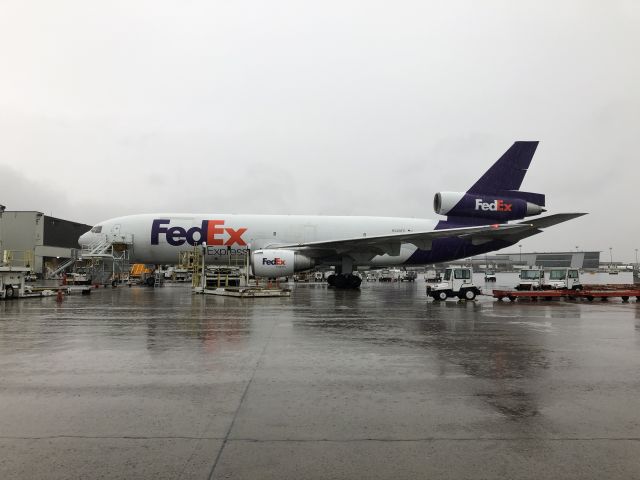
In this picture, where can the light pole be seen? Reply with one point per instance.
(636, 257)
(576, 248)
(520, 247)
(204, 252)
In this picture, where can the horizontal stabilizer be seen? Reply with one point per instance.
(551, 220)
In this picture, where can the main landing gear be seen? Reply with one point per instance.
(344, 281)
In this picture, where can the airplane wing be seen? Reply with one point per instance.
(550, 220)
(390, 244)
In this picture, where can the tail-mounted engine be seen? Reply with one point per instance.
(494, 207)
(274, 263)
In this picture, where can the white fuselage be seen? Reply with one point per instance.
(159, 238)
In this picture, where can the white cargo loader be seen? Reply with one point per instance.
(456, 282)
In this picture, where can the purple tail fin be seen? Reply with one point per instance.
(496, 196)
(506, 175)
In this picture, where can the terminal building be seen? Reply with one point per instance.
(513, 261)
(38, 241)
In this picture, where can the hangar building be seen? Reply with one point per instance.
(589, 260)
(41, 241)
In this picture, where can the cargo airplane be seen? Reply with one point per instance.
(487, 217)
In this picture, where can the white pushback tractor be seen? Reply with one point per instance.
(456, 282)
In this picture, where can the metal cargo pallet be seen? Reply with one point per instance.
(246, 292)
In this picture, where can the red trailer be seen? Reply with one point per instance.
(589, 292)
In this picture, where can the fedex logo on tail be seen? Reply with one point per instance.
(210, 231)
(275, 261)
(495, 206)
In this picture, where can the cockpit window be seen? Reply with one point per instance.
(96, 229)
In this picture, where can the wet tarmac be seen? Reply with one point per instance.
(378, 383)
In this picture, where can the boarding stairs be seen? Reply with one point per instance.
(66, 264)
(108, 246)
(108, 257)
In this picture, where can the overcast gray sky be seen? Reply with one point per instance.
(355, 108)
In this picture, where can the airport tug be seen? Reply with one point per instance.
(457, 282)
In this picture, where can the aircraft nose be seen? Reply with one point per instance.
(84, 239)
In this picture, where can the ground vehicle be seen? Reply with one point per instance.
(530, 279)
(563, 278)
(408, 276)
(458, 282)
(12, 281)
(389, 275)
(489, 276)
(80, 277)
(372, 276)
(432, 276)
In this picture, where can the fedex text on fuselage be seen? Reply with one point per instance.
(211, 232)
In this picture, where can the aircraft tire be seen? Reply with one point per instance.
(353, 281)
(341, 281)
(347, 281)
(331, 280)
(9, 292)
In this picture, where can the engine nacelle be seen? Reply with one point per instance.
(494, 207)
(274, 263)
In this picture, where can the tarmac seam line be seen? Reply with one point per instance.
(244, 394)
(98, 437)
(325, 440)
(437, 439)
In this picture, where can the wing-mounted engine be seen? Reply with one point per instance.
(273, 263)
(513, 205)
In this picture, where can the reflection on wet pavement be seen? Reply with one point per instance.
(377, 383)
